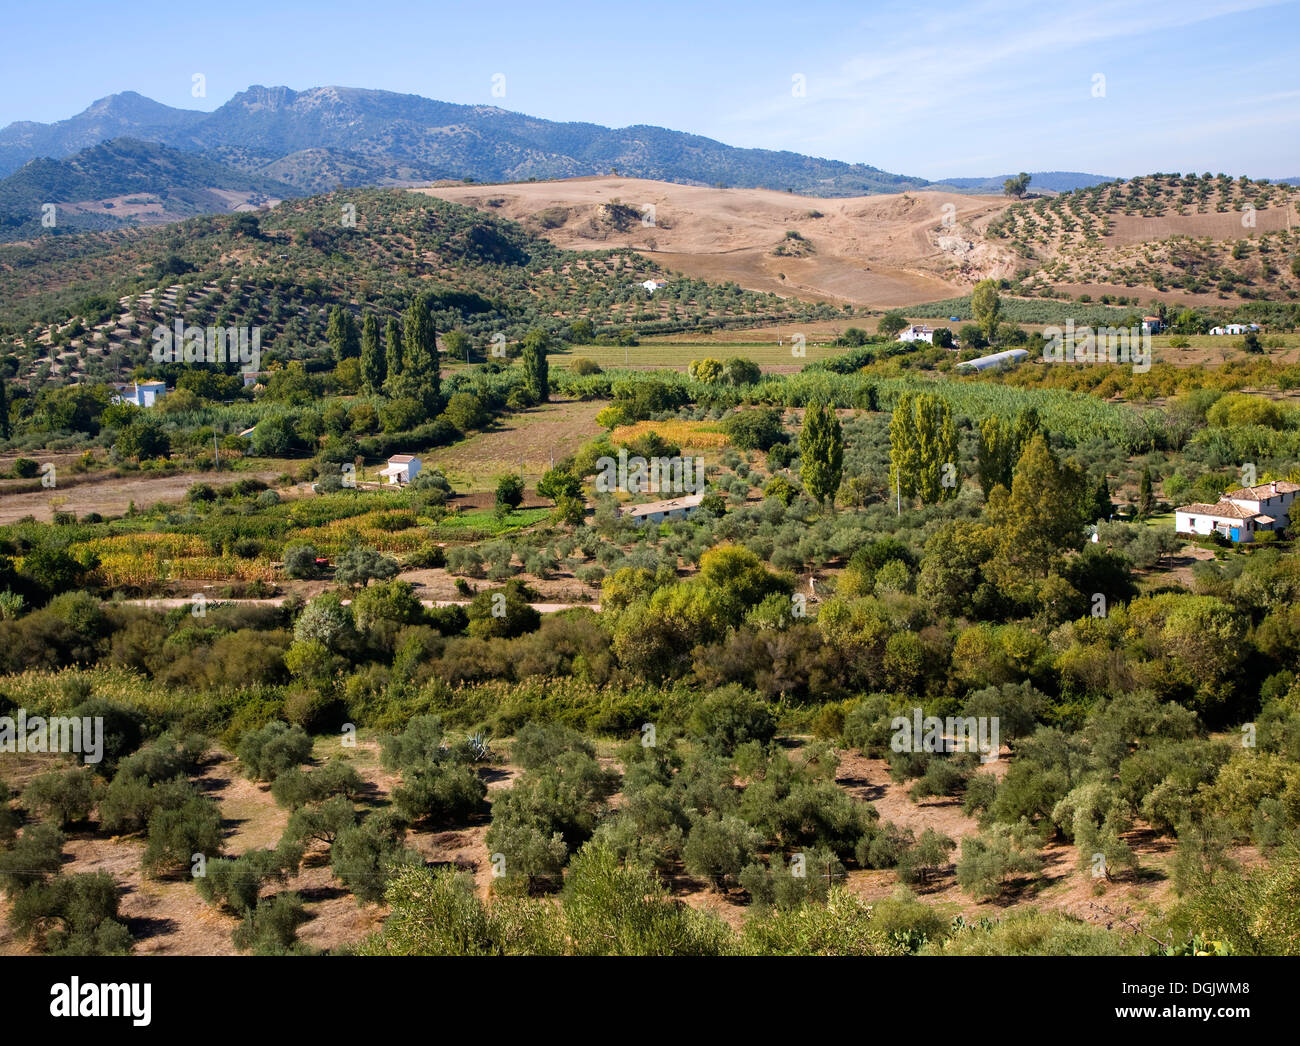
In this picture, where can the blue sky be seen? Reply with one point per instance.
(954, 89)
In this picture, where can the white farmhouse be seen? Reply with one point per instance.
(1240, 514)
(658, 511)
(654, 285)
(1235, 328)
(401, 469)
(141, 393)
(922, 333)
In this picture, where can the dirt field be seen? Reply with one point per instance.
(110, 495)
(531, 438)
(866, 250)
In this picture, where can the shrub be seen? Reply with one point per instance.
(439, 794)
(272, 928)
(275, 748)
(64, 797)
(730, 717)
(34, 857)
(293, 788)
(73, 915)
(177, 834)
(364, 856)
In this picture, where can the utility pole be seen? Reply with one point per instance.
(216, 455)
(898, 492)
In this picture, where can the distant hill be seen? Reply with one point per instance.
(1053, 181)
(119, 115)
(127, 181)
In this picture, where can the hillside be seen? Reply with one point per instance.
(127, 181)
(1209, 237)
(285, 268)
(877, 250)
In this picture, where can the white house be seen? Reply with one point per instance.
(917, 334)
(141, 393)
(1152, 324)
(401, 469)
(658, 511)
(1235, 328)
(1240, 514)
(654, 285)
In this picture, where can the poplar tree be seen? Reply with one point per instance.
(821, 453)
(923, 449)
(536, 369)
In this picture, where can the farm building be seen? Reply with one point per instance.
(654, 285)
(141, 393)
(914, 333)
(1241, 513)
(658, 511)
(1235, 328)
(997, 359)
(401, 469)
(1152, 324)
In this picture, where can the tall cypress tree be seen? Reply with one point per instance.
(392, 350)
(373, 370)
(342, 334)
(1146, 494)
(419, 378)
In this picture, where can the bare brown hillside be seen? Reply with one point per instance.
(867, 250)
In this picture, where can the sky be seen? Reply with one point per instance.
(951, 90)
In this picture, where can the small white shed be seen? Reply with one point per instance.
(401, 469)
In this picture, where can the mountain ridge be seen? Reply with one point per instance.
(371, 136)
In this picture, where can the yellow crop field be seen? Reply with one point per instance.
(682, 433)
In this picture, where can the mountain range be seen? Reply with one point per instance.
(278, 141)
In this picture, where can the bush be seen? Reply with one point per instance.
(73, 915)
(364, 856)
(718, 847)
(34, 857)
(177, 834)
(510, 493)
(293, 788)
(300, 562)
(439, 794)
(235, 885)
(275, 748)
(64, 797)
(538, 745)
(272, 928)
(730, 717)
(756, 429)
